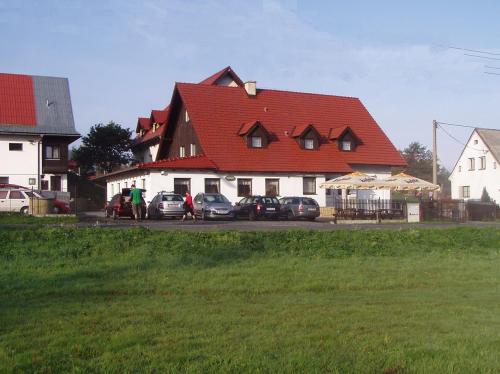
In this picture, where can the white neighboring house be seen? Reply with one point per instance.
(478, 167)
(36, 127)
(223, 135)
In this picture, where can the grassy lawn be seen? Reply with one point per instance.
(95, 300)
(16, 219)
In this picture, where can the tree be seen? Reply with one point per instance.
(104, 148)
(485, 196)
(419, 160)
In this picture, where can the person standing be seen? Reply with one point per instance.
(136, 201)
(188, 207)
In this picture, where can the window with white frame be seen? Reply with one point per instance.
(475, 141)
(308, 143)
(459, 168)
(212, 185)
(346, 145)
(482, 162)
(143, 183)
(52, 152)
(494, 165)
(182, 151)
(15, 146)
(244, 187)
(272, 187)
(472, 163)
(192, 149)
(112, 189)
(256, 141)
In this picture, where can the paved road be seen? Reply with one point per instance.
(97, 218)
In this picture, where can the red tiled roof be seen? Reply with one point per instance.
(143, 123)
(17, 102)
(247, 127)
(299, 130)
(211, 80)
(192, 162)
(337, 132)
(217, 112)
(159, 116)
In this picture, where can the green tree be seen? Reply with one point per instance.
(104, 148)
(419, 160)
(485, 196)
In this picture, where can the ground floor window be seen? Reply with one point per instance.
(464, 192)
(55, 183)
(244, 187)
(4, 180)
(272, 187)
(182, 185)
(143, 184)
(45, 185)
(212, 185)
(309, 185)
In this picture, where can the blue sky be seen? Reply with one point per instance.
(123, 57)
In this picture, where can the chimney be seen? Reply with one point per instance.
(251, 88)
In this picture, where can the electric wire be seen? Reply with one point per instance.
(473, 50)
(485, 57)
(459, 141)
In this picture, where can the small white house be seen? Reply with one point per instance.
(223, 135)
(478, 167)
(36, 127)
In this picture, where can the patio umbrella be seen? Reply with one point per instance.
(405, 182)
(353, 181)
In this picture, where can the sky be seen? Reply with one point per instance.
(122, 58)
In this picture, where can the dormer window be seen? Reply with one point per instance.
(307, 137)
(346, 139)
(346, 145)
(255, 134)
(256, 141)
(308, 143)
(182, 151)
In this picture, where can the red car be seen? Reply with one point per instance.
(120, 206)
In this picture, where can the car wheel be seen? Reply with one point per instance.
(106, 213)
(290, 215)
(55, 210)
(311, 218)
(114, 215)
(252, 216)
(24, 210)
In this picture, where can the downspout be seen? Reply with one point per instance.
(39, 162)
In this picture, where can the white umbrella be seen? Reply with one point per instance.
(353, 181)
(405, 182)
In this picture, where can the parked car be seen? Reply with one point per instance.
(17, 199)
(255, 207)
(299, 207)
(166, 204)
(212, 205)
(120, 205)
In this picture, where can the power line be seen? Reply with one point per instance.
(490, 72)
(472, 50)
(458, 125)
(486, 57)
(491, 67)
(459, 141)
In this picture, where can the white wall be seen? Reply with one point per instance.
(19, 166)
(477, 179)
(289, 184)
(380, 172)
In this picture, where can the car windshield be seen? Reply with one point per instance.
(215, 199)
(307, 201)
(270, 200)
(171, 198)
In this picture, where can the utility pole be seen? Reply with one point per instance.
(434, 153)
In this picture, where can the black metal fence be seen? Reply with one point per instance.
(353, 209)
(443, 210)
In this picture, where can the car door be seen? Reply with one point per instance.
(198, 203)
(17, 200)
(4, 203)
(238, 207)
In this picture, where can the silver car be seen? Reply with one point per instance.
(166, 204)
(299, 207)
(212, 205)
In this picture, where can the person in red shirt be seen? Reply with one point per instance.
(188, 207)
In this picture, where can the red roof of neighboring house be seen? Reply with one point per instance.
(192, 162)
(211, 80)
(217, 113)
(143, 123)
(158, 116)
(17, 102)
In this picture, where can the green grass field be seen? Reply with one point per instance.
(20, 219)
(103, 300)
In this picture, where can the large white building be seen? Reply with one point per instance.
(478, 167)
(36, 126)
(231, 137)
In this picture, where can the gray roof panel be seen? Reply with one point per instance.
(492, 140)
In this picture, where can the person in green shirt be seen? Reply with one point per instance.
(136, 200)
